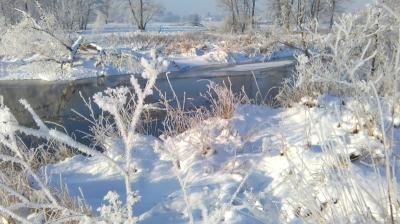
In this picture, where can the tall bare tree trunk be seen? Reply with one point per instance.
(318, 8)
(87, 16)
(287, 14)
(4, 17)
(333, 9)
(253, 13)
(278, 5)
(26, 7)
(237, 11)
(376, 45)
(141, 25)
(234, 22)
(315, 8)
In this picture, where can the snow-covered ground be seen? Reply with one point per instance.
(252, 67)
(157, 27)
(27, 53)
(263, 165)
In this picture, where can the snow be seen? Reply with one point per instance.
(260, 166)
(240, 59)
(213, 58)
(258, 66)
(156, 27)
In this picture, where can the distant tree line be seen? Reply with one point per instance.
(68, 15)
(241, 15)
(75, 15)
(289, 14)
(296, 12)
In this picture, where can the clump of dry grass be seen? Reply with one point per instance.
(178, 43)
(50, 153)
(223, 100)
(222, 104)
(179, 118)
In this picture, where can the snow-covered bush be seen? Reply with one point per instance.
(25, 40)
(362, 48)
(360, 58)
(358, 63)
(115, 211)
(34, 47)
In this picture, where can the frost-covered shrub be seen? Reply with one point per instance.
(361, 52)
(114, 211)
(25, 40)
(358, 63)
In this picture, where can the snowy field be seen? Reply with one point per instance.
(153, 27)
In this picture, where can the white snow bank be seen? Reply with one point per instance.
(256, 66)
(261, 166)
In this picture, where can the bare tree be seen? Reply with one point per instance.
(294, 13)
(315, 8)
(8, 15)
(229, 5)
(106, 7)
(253, 13)
(333, 9)
(71, 14)
(143, 11)
(241, 13)
(194, 20)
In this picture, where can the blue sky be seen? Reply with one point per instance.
(186, 7)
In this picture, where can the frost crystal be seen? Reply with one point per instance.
(302, 59)
(112, 100)
(7, 121)
(113, 211)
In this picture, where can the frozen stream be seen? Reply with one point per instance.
(54, 101)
